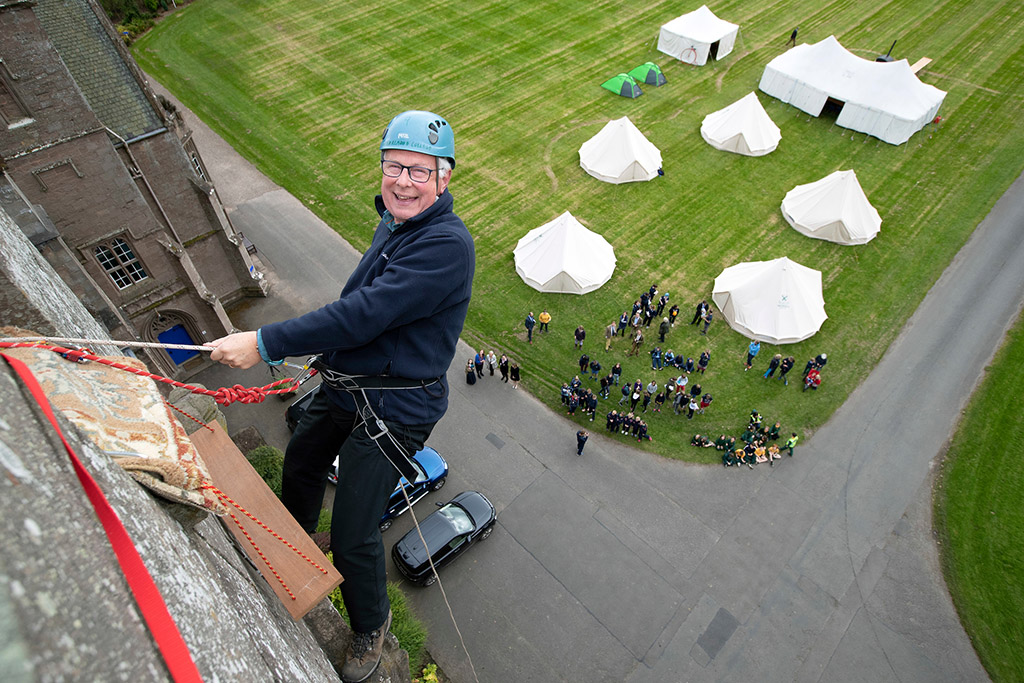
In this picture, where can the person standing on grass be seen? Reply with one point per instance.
(784, 367)
(584, 362)
(662, 302)
(792, 37)
(702, 362)
(673, 313)
(616, 373)
(609, 332)
(663, 329)
(581, 440)
(579, 335)
(698, 313)
(419, 270)
(544, 319)
(623, 323)
(773, 365)
(529, 323)
(638, 341)
(708, 317)
(752, 351)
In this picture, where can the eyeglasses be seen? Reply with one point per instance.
(417, 174)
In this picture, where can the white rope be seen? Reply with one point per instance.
(111, 342)
(440, 586)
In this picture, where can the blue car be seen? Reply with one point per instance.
(437, 473)
(430, 461)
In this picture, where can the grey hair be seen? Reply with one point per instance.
(444, 167)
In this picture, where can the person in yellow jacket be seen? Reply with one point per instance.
(544, 318)
(791, 443)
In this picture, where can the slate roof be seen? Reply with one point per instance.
(97, 67)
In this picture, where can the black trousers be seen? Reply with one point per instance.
(366, 479)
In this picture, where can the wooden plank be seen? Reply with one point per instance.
(233, 475)
(920, 64)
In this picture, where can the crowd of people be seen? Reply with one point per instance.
(509, 369)
(757, 444)
(683, 391)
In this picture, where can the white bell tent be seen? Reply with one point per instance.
(743, 127)
(834, 208)
(694, 37)
(620, 153)
(778, 301)
(564, 256)
(883, 99)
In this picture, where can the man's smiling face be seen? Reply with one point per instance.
(402, 196)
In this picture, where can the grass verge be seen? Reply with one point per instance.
(980, 518)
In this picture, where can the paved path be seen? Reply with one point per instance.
(622, 566)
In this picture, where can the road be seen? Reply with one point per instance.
(622, 566)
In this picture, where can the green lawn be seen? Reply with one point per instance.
(980, 518)
(303, 89)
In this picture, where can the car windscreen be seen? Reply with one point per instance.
(458, 517)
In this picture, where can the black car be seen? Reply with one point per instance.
(449, 532)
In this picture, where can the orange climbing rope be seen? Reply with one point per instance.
(227, 499)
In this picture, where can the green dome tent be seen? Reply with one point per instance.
(649, 73)
(624, 85)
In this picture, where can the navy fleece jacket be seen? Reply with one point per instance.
(400, 314)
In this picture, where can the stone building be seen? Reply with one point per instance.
(107, 183)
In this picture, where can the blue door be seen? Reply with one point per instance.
(177, 335)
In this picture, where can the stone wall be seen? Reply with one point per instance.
(66, 611)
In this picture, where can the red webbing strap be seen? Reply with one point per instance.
(147, 596)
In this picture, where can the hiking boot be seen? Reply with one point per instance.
(364, 653)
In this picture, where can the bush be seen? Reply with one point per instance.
(324, 522)
(268, 463)
(132, 29)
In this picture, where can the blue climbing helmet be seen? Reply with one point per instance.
(420, 131)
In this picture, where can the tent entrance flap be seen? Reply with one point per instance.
(832, 108)
(713, 51)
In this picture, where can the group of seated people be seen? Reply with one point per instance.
(756, 444)
(629, 424)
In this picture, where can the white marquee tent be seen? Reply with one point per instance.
(694, 37)
(564, 256)
(834, 208)
(620, 153)
(883, 99)
(743, 127)
(779, 301)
